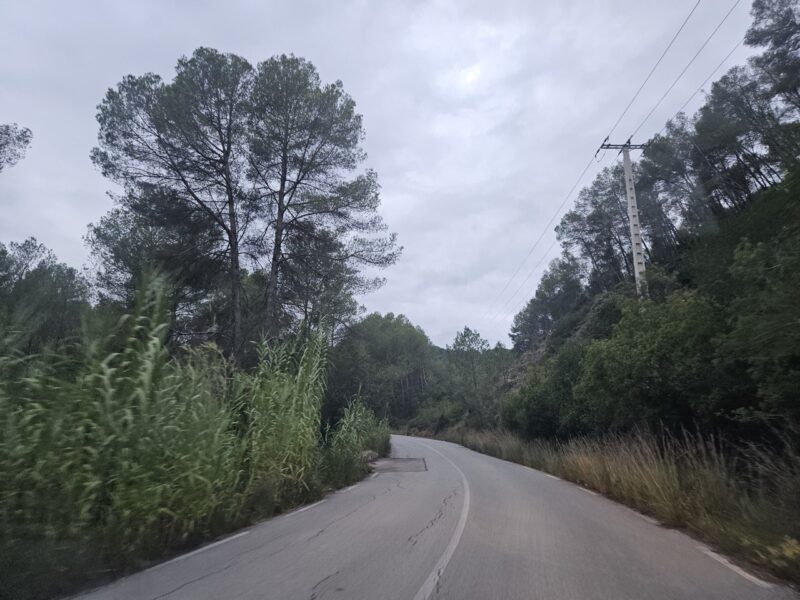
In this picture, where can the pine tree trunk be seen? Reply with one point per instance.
(236, 282)
(273, 303)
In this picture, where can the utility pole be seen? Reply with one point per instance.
(633, 213)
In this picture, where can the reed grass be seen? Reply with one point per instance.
(114, 452)
(358, 430)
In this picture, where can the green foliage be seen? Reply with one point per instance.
(551, 311)
(472, 368)
(216, 183)
(658, 361)
(765, 332)
(546, 405)
(386, 361)
(284, 398)
(434, 416)
(399, 374)
(114, 452)
(358, 430)
(716, 346)
(14, 140)
(42, 301)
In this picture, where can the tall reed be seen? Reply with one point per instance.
(358, 430)
(114, 452)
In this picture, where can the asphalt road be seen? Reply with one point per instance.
(458, 525)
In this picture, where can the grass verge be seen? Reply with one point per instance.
(745, 502)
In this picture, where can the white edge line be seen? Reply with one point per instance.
(199, 550)
(433, 579)
(650, 520)
(734, 568)
(374, 475)
(552, 476)
(305, 508)
(347, 489)
(588, 491)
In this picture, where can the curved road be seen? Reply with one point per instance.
(452, 524)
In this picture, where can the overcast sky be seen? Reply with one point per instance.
(479, 116)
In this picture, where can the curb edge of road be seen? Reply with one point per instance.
(746, 571)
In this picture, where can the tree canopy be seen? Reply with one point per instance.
(229, 170)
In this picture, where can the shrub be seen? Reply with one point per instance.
(357, 431)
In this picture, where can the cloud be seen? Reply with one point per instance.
(479, 116)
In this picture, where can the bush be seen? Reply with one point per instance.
(357, 431)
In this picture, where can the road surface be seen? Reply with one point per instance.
(451, 524)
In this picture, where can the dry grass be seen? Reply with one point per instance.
(744, 501)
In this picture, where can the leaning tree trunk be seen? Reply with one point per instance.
(272, 300)
(236, 284)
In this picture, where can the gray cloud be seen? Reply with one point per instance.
(479, 115)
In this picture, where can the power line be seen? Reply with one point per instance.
(539, 239)
(702, 85)
(683, 106)
(655, 66)
(624, 112)
(531, 274)
(686, 68)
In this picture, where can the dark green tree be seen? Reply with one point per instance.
(42, 301)
(465, 352)
(559, 294)
(305, 143)
(385, 359)
(14, 140)
(775, 29)
(186, 140)
(228, 169)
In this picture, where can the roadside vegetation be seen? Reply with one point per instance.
(115, 452)
(742, 500)
(140, 414)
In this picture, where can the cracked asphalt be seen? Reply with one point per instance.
(471, 527)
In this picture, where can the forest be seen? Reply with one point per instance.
(716, 344)
(213, 365)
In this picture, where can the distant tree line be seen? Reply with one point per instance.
(393, 366)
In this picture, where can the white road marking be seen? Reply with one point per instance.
(552, 477)
(305, 508)
(432, 581)
(734, 568)
(374, 475)
(650, 520)
(347, 489)
(199, 550)
(588, 491)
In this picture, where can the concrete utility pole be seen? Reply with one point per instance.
(633, 213)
